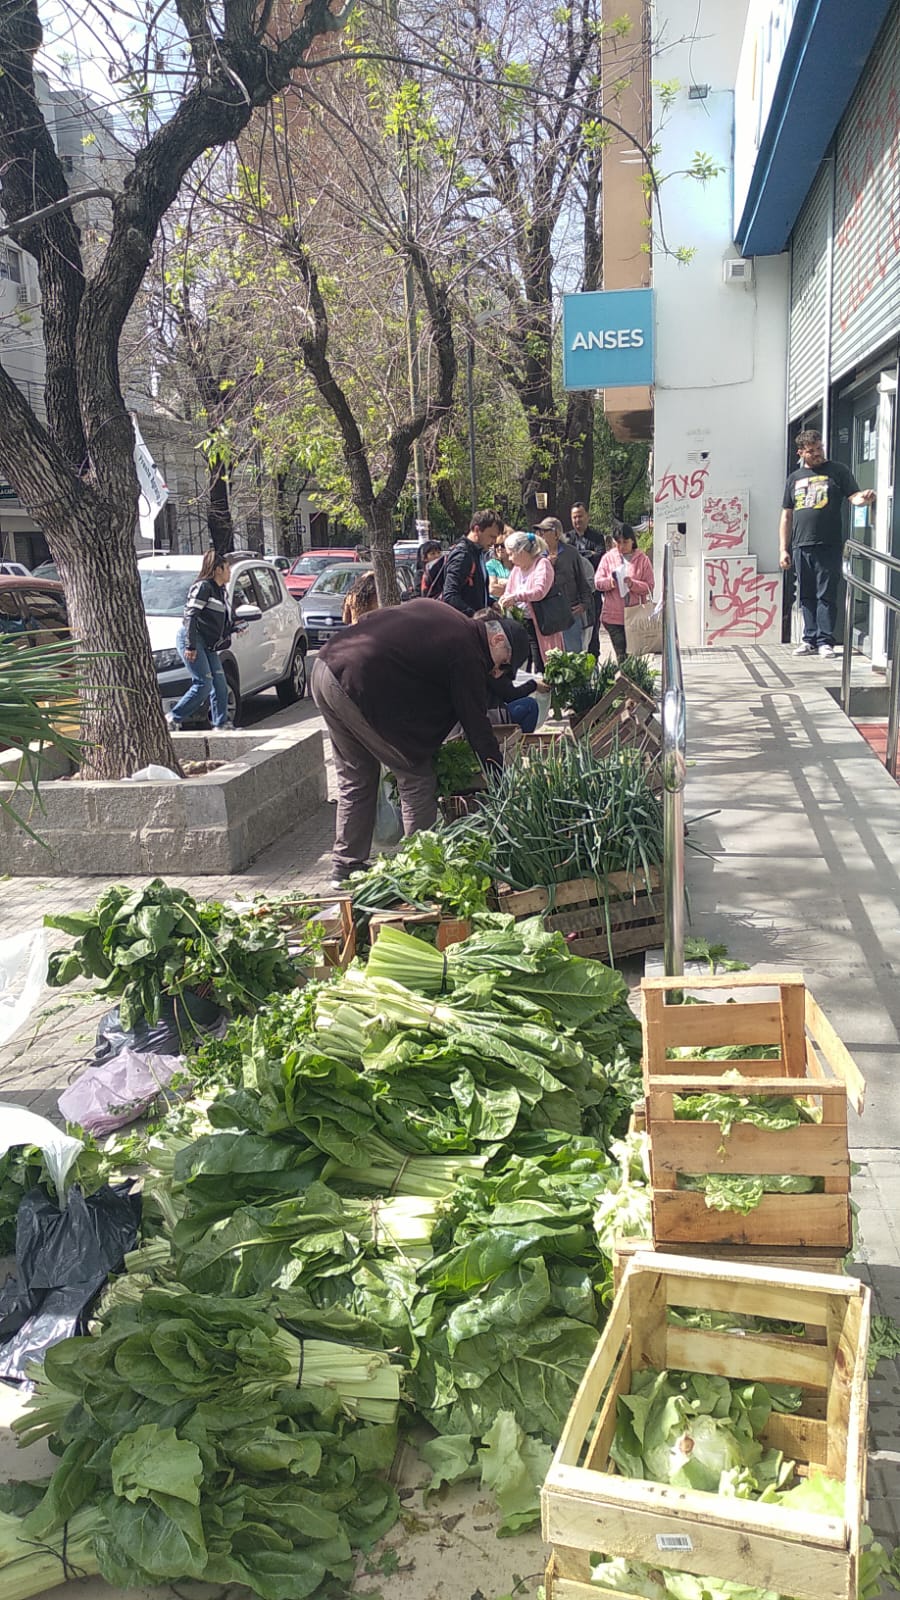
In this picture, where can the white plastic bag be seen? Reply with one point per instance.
(117, 1092)
(23, 972)
(20, 1126)
(388, 821)
(154, 774)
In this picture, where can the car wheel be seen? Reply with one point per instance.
(293, 687)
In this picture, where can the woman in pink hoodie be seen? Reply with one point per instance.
(624, 578)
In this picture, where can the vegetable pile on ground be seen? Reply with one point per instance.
(390, 1199)
(146, 947)
(446, 869)
(579, 682)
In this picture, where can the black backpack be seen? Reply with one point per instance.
(433, 578)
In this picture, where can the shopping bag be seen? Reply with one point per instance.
(388, 821)
(643, 629)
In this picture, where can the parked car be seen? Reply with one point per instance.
(14, 569)
(33, 610)
(269, 650)
(47, 569)
(322, 607)
(303, 573)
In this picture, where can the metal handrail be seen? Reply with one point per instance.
(674, 767)
(852, 548)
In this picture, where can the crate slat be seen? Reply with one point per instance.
(577, 910)
(683, 1217)
(448, 930)
(587, 1506)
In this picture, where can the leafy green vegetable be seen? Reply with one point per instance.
(457, 768)
(142, 945)
(445, 869)
(884, 1341)
(715, 955)
(579, 682)
(700, 1432)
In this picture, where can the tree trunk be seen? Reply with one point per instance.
(218, 517)
(122, 717)
(576, 471)
(381, 536)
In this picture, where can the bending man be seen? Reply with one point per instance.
(390, 690)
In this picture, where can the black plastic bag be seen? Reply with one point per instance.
(63, 1258)
(182, 1019)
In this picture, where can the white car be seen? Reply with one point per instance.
(270, 648)
(14, 569)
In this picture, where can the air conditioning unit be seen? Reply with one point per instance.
(22, 295)
(737, 269)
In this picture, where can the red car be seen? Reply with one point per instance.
(303, 572)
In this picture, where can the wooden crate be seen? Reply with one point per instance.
(448, 930)
(335, 916)
(812, 1062)
(587, 1506)
(812, 1260)
(576, 910)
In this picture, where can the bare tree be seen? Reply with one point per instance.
(75, 474)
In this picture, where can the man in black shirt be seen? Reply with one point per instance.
(811, 534)
(592, 543)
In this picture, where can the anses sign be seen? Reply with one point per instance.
(608, 339)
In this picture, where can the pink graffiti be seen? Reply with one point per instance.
(682, 485)
(741, 604)
(723, 522)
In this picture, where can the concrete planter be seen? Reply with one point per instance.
(217, 823)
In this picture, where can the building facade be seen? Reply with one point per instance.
(776, 274)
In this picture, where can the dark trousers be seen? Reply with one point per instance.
(616, 631)
(359, 754)
(524, 713)
(818, 568)
(593, 644)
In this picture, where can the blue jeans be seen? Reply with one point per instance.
(573, 638)
(524, 713)
(818, 569)
(207, 678)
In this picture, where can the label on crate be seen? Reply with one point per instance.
(673, 1541)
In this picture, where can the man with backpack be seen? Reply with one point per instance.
(460, 577)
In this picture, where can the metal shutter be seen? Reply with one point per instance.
(867, 209)
(809, 251)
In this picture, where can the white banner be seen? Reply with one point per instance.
(154, 490)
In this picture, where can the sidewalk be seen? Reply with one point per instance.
(806, 878)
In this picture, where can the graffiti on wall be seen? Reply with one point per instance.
(742, 605)
(867, 200)
(681, 485)
(724, 523)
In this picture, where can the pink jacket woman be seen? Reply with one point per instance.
(639, 582)
(532, 577)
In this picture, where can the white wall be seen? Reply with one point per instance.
(721, 348)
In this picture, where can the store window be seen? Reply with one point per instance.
(11, 264)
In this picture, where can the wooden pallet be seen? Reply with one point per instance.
(812, 1062)
(587, 1506)
(448, 930)
(577, 910)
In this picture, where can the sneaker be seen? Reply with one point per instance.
(171, 724)
(827, 652)
(804, 649)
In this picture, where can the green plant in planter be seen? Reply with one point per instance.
(457, 768)
(38, 687)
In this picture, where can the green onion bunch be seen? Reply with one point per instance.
(575, 815)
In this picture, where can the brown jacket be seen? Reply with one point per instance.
(414, 671)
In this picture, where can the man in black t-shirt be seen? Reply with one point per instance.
(812, 536)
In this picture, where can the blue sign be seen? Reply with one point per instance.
(608, 339)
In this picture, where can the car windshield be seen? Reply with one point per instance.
(338, 580)
(164, 593)
(306, 565)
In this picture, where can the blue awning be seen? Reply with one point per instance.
(829, 44)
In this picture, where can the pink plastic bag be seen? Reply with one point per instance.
(110, 1096)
